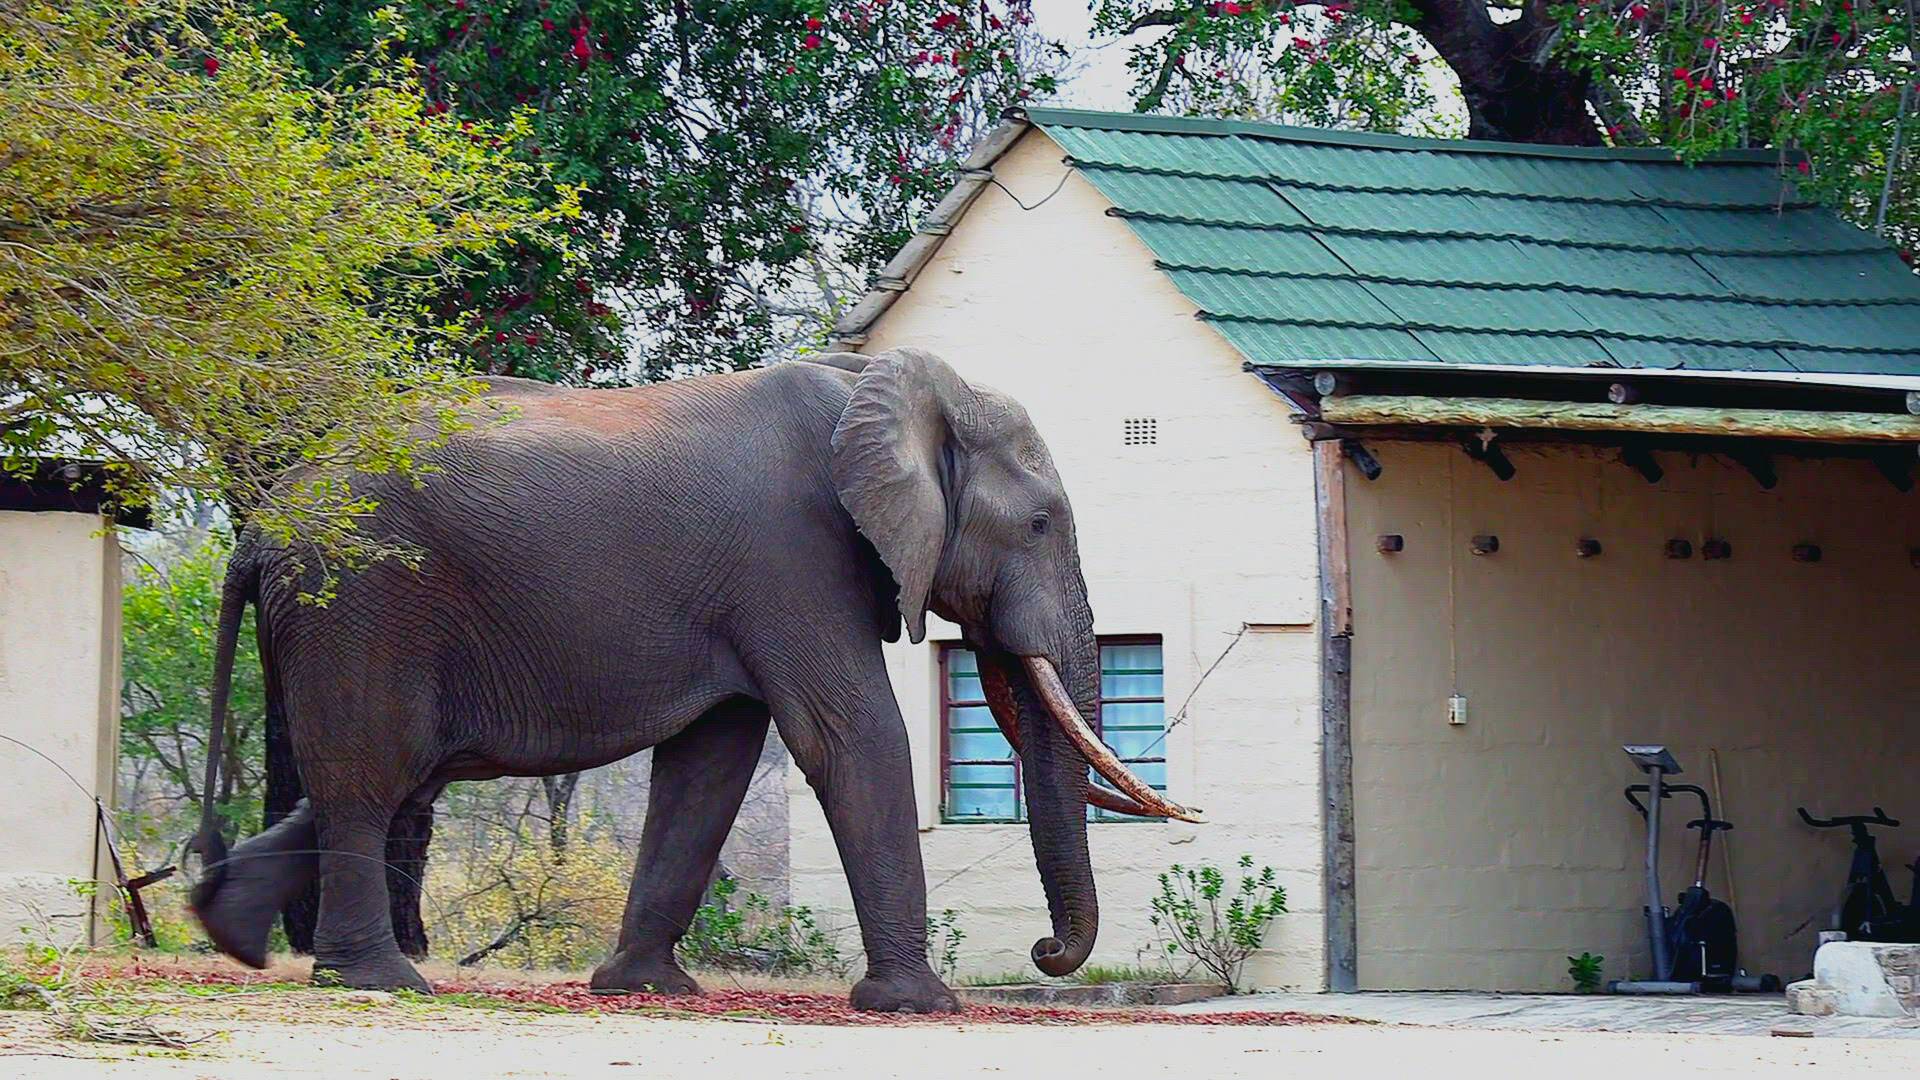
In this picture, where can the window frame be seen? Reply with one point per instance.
(947, 703)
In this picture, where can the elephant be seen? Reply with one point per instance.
(675, 566)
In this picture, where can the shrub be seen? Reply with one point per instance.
(943, 943)
(1584, 970)
(758, 937)
(510, 898)
(1216, 927)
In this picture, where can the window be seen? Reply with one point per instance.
(981, 775)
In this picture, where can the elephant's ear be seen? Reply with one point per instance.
(893, 469)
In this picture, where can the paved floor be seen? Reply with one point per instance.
(1758, 1014)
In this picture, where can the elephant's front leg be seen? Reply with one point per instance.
(699, 778)
(854, 755)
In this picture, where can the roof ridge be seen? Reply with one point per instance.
(1461, 234)
(1196, 125)
(1402, 189)
(1541, 286)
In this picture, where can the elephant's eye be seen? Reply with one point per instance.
(1039, 523)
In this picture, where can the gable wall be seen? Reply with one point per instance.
(1061, 306)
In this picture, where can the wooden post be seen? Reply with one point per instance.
(1336, 718)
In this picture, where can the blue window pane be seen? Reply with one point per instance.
(981, 791)
(971, 718)
(978, 746)
(1133, 714)
(1136, 744)
(963, 676)
(1131, 671)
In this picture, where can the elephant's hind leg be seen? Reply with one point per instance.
(240, 894)
(699, 778)
(353, 943)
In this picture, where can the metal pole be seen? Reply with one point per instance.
(1656, 915)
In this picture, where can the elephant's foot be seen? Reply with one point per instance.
(624, 973)
(904, 992)
(389, 971)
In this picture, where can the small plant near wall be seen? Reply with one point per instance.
(1215, 925)
(943, 943)
(1584, 970)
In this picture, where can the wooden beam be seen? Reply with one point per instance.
(1606, 416)
(1336, 719)
(1640, 460)
(1759, 464)
(1362, 459)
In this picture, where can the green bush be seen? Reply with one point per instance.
(756, 936)
(943, 943)
(1214, 926)
(1584, 970)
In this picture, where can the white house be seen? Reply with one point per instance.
(59, 698)
(1416, 686)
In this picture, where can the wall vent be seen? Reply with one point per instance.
(1140, 431)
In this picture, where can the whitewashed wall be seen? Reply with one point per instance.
(1211, 528)
(59, 693)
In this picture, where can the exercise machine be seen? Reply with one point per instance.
(1868, 910)
(1695, 945)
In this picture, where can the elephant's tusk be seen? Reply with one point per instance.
(1000, 704)
(1046, 682)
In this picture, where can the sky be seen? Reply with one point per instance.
(1103, 80)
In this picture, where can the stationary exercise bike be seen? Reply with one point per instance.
(1868, 910)
(1695, 944)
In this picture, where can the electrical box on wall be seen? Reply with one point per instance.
(1457, 710)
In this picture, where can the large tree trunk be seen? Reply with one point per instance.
(1516, 84)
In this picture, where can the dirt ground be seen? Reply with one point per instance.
(433, 1041)
(267, 1024)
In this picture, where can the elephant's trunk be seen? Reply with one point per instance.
(1055, 774)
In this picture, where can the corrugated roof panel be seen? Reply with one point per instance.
(1520, 310)
(1303, 299)
(1860, 276)
(1497, 262)
(1745, 185)
(1226, 202)
(1490, 348)
(1282, 346)
(1139, 150)
(1479, 215)
(1670, 355)
(1854, 363)
(1791, 233)
(1229, 248)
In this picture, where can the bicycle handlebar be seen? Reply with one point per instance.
(1666, 791)
(1879, 817)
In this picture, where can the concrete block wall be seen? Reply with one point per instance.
(1189, 538)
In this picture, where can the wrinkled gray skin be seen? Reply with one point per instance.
(666, 566)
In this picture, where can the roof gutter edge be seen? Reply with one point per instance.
(894, 279)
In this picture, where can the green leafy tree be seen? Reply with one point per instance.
(730, 153)
(169, 615)
(1835, 79)
(210, 270)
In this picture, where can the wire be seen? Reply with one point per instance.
(995, 181)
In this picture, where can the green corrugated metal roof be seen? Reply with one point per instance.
(1309, 248)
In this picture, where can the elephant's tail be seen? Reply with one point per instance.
(242, 586)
